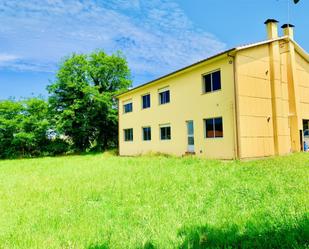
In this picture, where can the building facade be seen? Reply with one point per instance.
(250, 101)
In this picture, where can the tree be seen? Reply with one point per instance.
(109, 75)
(10, 119)
(81, 98)
(23, 127)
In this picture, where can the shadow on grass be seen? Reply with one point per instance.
(101, 246)
(147, 245)
(283, 237)
(295, 236)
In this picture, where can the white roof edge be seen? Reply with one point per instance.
(298, 48)
(261, 43)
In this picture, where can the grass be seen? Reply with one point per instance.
(104, 201)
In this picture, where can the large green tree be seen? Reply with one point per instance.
(81, 98)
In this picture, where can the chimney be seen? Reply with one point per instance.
(272, 28)
(288, 30)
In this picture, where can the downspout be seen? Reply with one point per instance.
(235, 110)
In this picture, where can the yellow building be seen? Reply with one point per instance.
(250, 101)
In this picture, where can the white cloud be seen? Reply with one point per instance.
(156, 36)
(4, 58)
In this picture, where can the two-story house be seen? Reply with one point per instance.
(249, 101)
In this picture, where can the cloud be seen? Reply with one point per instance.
(4, 58)
(155, 36)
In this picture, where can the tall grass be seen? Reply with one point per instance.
(104, 201)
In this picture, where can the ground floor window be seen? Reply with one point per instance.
(146, 133)
(213, 127)
(165, 132)
(128, 134)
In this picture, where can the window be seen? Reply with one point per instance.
(164, 97)
(146, 133)
(146, 101)
(165, 132)
(212, 82)
(128, 134)
(213, 127)
(127, 107)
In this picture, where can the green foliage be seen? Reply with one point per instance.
(104, 201)
(81, 100)
(23, 128)
(80, 115)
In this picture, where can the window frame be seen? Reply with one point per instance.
(127, 103)
(164, 90)
(142, 97)
(125, 137)
(214, 127)
(160, 132)
(204, 83)
(143, 137)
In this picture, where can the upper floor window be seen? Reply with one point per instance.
(165, 132)
(146, 101)
(213, 127)
(146, 133)
(164, 96)
(128, 107)
(128, 134)
(212, 82)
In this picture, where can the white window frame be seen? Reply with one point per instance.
(205, 131)
(143, 133)
(211, 84)
(164, 126)
(149, 101)
(124, 135)
(125, 103)
(161, 90)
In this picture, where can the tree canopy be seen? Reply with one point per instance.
(81, 98)
(80, 114)
(24, 127)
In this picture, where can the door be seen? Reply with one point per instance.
(190, 134)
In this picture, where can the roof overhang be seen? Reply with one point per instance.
(177, 72)
(230, 52)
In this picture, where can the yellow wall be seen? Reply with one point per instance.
(272, 99)
(302, 69)
(254, 102)
(284, 139)
(187, 103)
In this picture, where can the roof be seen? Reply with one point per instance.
(228, 52)
(177, 71)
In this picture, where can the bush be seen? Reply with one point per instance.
(57, 146)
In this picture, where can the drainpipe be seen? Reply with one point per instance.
(235, 110)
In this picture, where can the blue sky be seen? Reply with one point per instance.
(156, 36)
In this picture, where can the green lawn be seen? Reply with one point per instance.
(104, 201)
